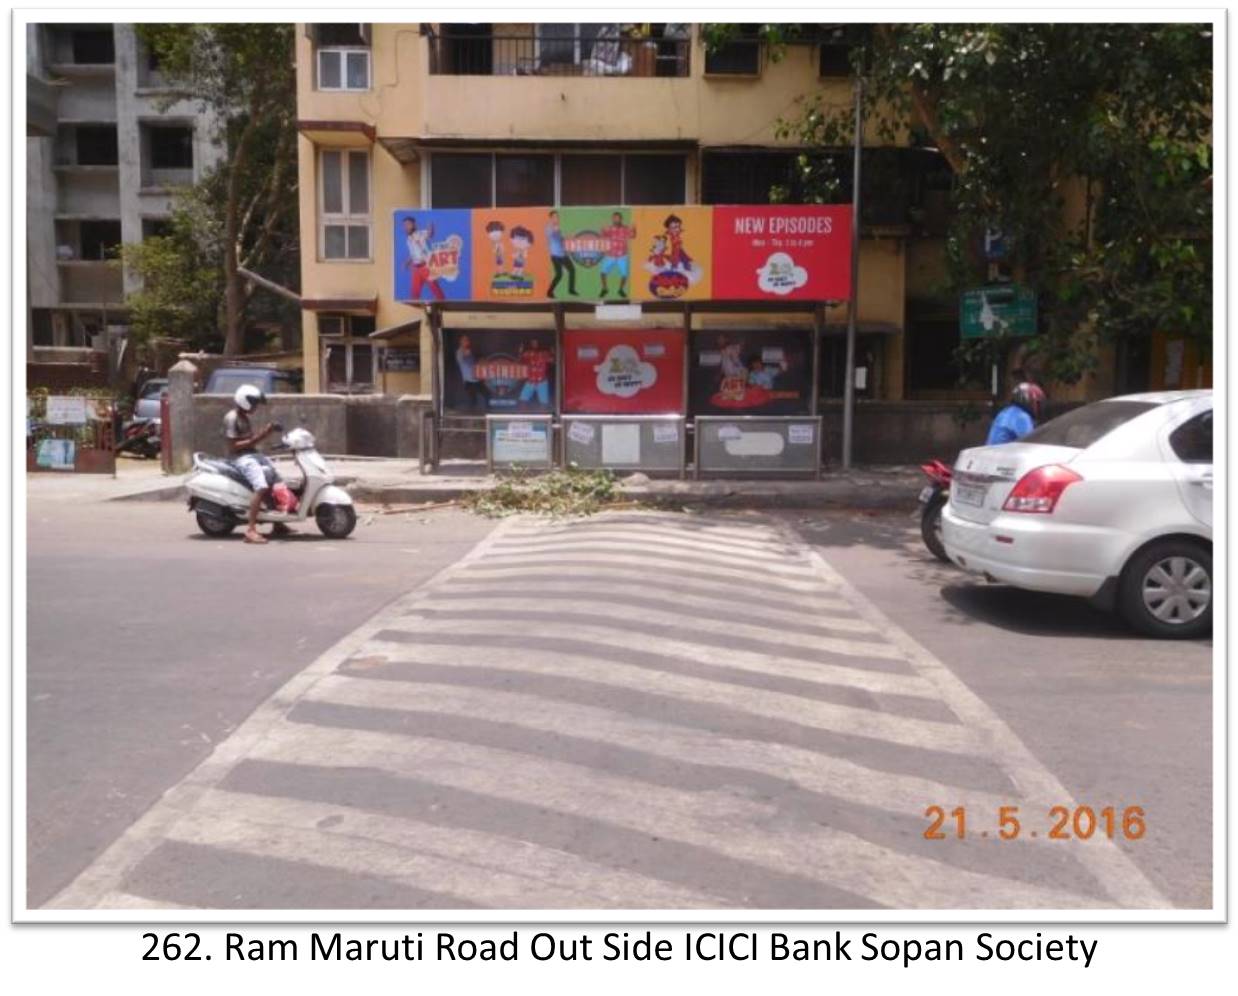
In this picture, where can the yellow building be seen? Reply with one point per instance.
(403, 116)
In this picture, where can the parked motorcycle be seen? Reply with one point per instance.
(933, 498)
(219, 495)
(142, 437)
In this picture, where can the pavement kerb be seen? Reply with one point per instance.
(895, 492)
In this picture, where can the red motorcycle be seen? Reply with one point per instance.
(933, 498)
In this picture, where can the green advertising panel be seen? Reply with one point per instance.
(990, 311)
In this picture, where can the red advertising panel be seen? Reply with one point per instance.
(782, 252)
(623, 371)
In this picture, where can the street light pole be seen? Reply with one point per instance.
(849, 372)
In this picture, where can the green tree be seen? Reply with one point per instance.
(1024, 112)
(246, 207)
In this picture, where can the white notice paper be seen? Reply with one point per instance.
(581, 432)
(800, 434)
(666, 433)
(620, 445)
(64, 410)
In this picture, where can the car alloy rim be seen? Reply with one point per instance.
(1177, 590)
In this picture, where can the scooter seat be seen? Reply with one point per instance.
(225, 468)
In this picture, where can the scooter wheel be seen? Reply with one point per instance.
(335, 521)
(930, 526)
(213, 525)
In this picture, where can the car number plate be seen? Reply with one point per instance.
(927, 492)
(970, 494)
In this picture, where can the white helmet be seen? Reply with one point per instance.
(248, 396)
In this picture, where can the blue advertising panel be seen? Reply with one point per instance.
(433, 261)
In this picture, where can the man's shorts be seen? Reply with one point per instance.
(251, 466)
(619, 263)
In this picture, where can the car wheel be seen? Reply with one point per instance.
(335, 521)
(930, 526)
(213, 525)
(1167, 590)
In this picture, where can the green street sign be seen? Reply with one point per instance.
(988, 311)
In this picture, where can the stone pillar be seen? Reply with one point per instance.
(180, 411)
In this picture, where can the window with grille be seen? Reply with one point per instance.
(344, 204)
(343, 56)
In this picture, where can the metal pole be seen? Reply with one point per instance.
(849, 371)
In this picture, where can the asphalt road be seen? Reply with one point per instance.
(637, 710)
(148, 644)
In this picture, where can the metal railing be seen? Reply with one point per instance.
(590, 50)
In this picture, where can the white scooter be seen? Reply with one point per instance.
(219, 495)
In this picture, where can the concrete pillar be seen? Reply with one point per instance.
(180, 412)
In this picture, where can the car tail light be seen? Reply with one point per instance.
(1039, 490)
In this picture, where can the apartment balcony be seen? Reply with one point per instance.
(559, 50)
(91, 281)
(557, 83)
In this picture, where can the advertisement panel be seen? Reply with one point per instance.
(591, 253)
(782, 252)
(519, 442)
(757, 444)
(625, 442)
(751, 372)
(493, 371)
(623, 371)
(672, 254)
(431, 256)
(511, 258)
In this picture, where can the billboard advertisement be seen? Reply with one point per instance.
(672, 255)
(488, 371)
(738, 372)
(623, 371)
(782, 252)
(677, 252)
(431, 256)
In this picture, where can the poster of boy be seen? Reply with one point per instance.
(432, 255)
(511, 257)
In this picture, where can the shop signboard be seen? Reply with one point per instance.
(498, 371)
(782, 252)
(758, 444)
(431, 255)
(610, 253)
(991, 311)
(625, 442)
(623, 371)
(741, 372)
(519, 441)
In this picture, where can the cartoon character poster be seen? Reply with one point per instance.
(489, 371)
(623, 371)
(591, 253)
(792, 252)
(511, 261)
(745, 372)
(672, 255)
(432, 255)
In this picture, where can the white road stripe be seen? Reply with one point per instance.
(810, 601)
(826, 774)
(719, 821)
(614, 538)
(672, 524)
(647, 552)
(606, 592)
(650, 563)
(580, 664)
(476, 867)
(1112, 867)
(737, 625)
(779, 706)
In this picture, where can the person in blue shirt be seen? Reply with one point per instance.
(1019, 417)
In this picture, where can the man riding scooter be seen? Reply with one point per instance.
(1019, 417)
(1010, 424)
(243, 448)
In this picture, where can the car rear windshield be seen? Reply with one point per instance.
(1084, 426)
(226, 383)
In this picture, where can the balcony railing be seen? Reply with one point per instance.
(557, 50)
